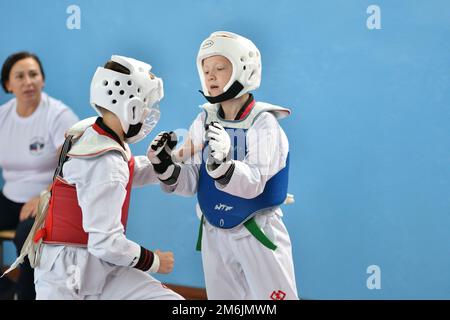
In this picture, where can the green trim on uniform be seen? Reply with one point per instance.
(198, 247)
(251, 226)
(256, 231)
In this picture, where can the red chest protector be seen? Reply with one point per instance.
(63, 223)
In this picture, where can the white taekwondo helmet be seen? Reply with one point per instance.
(243, 55)
(133, 98)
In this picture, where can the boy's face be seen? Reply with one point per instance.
(217, 71)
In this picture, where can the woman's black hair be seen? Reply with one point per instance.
(11, 61)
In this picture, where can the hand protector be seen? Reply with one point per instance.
(219, 142)
(219, 166)
(160, 155)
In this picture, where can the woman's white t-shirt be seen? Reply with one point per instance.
(28, 146)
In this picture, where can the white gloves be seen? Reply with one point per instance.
(219, 166)
(219, 142)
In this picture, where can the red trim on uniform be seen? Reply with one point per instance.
(102, 132)
(145, 260)
(126, 203)
(39, 235)
(247, 110)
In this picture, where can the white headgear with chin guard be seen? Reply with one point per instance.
(133, 98)
(243, 55)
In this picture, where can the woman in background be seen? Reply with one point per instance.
(32, 127)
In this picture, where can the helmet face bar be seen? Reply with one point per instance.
(243, 55)
(133, 97)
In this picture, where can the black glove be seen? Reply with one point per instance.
(160, 155)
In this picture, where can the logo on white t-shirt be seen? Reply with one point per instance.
(36, 146)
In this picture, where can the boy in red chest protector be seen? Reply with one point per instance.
(85, 253)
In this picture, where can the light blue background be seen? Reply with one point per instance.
(369, 132)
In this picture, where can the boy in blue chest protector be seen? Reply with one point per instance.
(239, 171)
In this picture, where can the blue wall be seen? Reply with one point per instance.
(369, 132)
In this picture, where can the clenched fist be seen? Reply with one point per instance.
(166, 261)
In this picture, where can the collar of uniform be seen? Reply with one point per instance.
(248, 105)
(103, 129)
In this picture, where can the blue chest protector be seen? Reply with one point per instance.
(222, 209)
